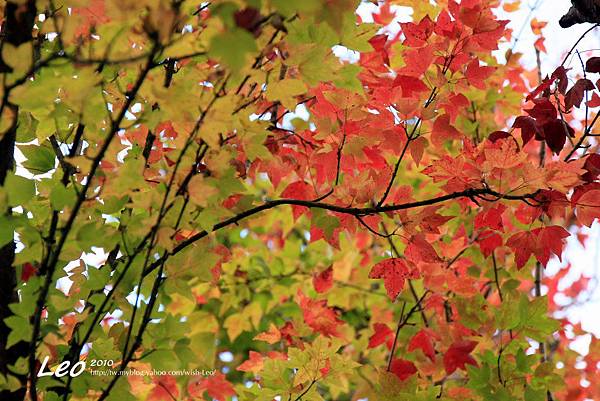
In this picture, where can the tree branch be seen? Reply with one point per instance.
(51, 260)
(355, 211)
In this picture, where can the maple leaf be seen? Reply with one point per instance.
(417, 148)
(488, 241)
(542, 242)
(560, 75)
(458, 355)
(503, 154)
(422, 341)
(383, 334)
(420, 250)
(555, 133)
(498, 135)
(416, 35)
(394, 272)
(537, 26)
(28, 271)
(511, 7)
(91, 15)
(323, 281)
(271, 336)
(385, 15)
(543, 110)
(402, 368)
(216, 386)
(476, 74)
(165, 388)
(574, 96)
(417, 61)
(254, 363)
(561, 176)
(409, 85)
(443, 131)
(292, 100)
(543, 87)
(593, 65)
(588, 207)
(491, 218)
(594, 101)
(551, 240)
(455, 104)
(539, 45)
(592, 165)
(528, 126)
(319, 316)
(554, 203)
(298, 190)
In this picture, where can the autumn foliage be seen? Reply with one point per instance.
(306, 204)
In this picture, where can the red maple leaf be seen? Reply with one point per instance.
(476, 74)
(417, 61)
(402, 368)
(323, 281)
(422, 341)
(543, 87)
(417, 34)
(420, 250)
(254, 363)
(560, 74)
(93, 14)
(383, 334)
(588, 206)
(593, 64)
(385, 15)
(458, 355)
(491, 218)
(488, 241)
(528, 126)
(28, 271)
(592, 165)
(541, 242)
(394, 272)
(543, 110)
(594, 101)
(216, 386)
(298, 190)
(165, 389)
(443, 131)
(319, 316)
(574, 96)
(409, 85)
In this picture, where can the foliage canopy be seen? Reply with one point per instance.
(203, 179)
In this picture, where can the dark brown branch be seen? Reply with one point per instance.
(496, 277)
(355, 211)
(52, 258)
(570, 52)
(401, 323)
(586, 133)
(411, 286)
(128, 355)
(312, 383)
(409, 139)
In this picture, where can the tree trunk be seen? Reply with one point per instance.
(16, 29)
